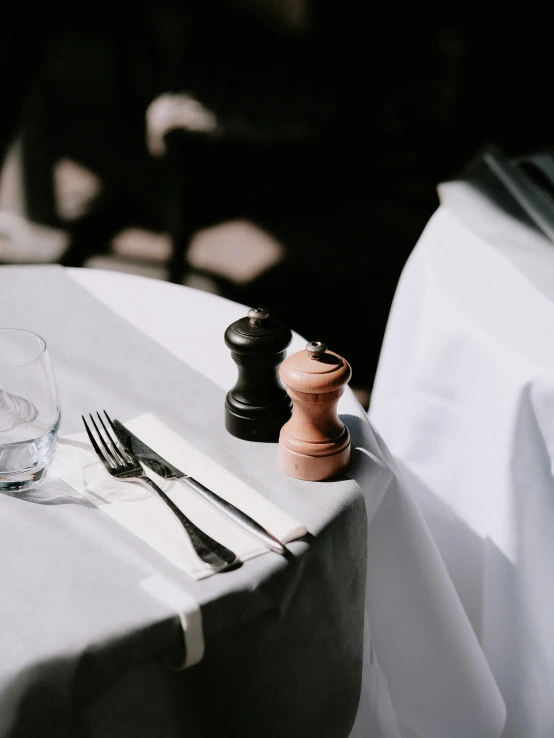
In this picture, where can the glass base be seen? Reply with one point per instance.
(21, 481)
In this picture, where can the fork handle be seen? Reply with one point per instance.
(209, 550)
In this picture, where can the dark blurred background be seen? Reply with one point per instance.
(282, 153)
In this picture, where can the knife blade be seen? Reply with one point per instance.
(165, 469)
(534, 200)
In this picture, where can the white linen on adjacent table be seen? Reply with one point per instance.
(464, 399)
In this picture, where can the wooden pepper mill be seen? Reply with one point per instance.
(258, 405)
(314, 444)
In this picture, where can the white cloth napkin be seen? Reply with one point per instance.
(146, 516)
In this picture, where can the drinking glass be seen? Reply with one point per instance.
(29, 409)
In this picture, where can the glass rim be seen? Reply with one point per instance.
(40, 354)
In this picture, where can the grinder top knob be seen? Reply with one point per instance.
(258, 333)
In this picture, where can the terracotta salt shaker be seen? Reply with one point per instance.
(258, 405)
(314, 444)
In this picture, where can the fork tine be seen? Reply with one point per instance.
(111, 458)
(119, 455)
(120, 445)
(95, 446)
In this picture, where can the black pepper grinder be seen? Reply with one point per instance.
(258, 405)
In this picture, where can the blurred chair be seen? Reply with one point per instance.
(294, 120)
(87, 104)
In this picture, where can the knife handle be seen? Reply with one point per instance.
(236, 515)
(218, 556)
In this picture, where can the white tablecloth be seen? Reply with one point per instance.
(424, 673)
(464, 399)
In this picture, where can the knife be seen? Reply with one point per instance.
(534, 200)
(163, 468)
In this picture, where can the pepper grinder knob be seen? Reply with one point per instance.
(316, 349)
(258, 405)
(257, 315)
(314, 444)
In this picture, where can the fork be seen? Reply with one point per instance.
(122, 464)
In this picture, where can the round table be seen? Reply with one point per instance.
(359, 633)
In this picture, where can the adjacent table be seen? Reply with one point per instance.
(464, 399)
(361, 633)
